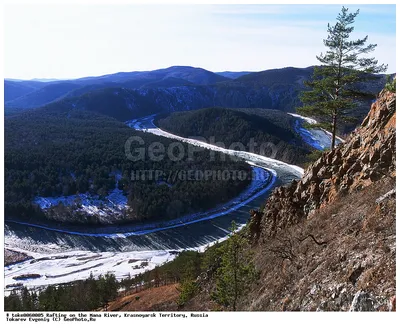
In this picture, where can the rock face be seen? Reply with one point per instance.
(362, 301)
(367, 155)
(328, 241)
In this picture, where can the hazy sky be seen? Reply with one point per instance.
(67, 41)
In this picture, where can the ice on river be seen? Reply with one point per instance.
(317, 138)
(56, 264)
(63, 267)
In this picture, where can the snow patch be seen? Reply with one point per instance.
(113, 204)
(146, 124)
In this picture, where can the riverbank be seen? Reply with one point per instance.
(71, 257)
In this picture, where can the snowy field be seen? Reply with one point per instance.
(58, 268)
(52, 265)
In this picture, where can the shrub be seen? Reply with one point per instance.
(390, 84)
(187, 289)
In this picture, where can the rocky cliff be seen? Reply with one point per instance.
(328, 241)
(367, 155)
(324, 243)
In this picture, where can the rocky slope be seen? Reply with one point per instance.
(324, 243)
(341, 258)
(328, 241)
(367, 155)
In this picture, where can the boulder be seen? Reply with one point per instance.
(362, 301)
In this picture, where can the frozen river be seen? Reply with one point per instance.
(63, 255)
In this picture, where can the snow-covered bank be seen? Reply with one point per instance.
(146, 124)
(114, 204)
(304, 118)
(258, 186)
(54, 264)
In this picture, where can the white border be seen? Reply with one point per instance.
(262, 319)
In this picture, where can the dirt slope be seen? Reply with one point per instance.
(154, 299)
(328, 241)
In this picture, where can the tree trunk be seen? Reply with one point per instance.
(334, 123)
(235, 265)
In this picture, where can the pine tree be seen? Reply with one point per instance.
(108, 289)
(13, 302)
(27, 302)
(187, 289)
(335, 85)
(236, 272)
(93, 292)
(390, 84)
(127, 283)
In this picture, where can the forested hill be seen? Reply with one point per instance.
(230, 126)
(61, 152)
(120, 103)
(31, 94)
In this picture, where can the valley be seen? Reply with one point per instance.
(152, 243)
(81, 165)
(83, 225)
(185, 159)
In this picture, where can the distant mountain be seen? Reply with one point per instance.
(37, 93)
(120, 103)
(13, 90)
(166, 91)
(45, 80)
(181, 88)
(32, 80)
(232, 75)
(166, 83)
(41, 96)
(190, 74)
(287, 75)
(125, 104)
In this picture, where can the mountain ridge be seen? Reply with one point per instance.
(180, 89)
